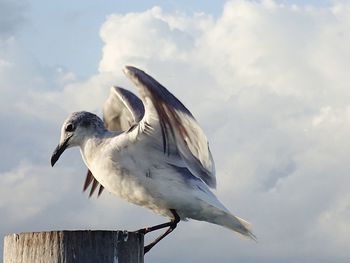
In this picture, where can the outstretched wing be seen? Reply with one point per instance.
(121, 111)
(169, 119)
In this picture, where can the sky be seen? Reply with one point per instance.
(267, 80)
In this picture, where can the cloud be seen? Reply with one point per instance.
(269, 84)
(173, 37)
(12, 16)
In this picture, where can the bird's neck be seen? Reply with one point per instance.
(94, 143)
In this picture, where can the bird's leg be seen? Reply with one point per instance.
(173, 222)
(172, 225)
(152, 244)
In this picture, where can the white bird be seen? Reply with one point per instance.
(150, 152)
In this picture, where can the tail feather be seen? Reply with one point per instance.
(236, 224)
(239, 225)
(213, 211)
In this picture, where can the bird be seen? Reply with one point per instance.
(150, 151)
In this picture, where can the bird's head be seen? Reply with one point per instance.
(75, 130)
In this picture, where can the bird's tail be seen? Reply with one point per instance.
(236, 224)
(226, 219)
(213, 211)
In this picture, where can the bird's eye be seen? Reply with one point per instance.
(69, 127)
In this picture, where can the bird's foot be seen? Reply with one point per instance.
(171, 226)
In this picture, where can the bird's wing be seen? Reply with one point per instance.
(90, 179)
(121, 110)
(173, 126)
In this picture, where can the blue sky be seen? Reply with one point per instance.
(267, 80)
(65, 24)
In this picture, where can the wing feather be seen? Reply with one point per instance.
(178, 128)
(122, 109)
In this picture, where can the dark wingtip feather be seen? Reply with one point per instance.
(91, 179)
(88, 180)
(100, 190)
(93, 187)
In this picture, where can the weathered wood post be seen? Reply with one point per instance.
(74, 246)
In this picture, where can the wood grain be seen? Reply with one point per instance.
(74, 246)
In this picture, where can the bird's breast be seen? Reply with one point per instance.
(124, 175)
(130, 173)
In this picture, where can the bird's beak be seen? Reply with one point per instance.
(59, 150)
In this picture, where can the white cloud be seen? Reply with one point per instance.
(148, 36)
(269, 84)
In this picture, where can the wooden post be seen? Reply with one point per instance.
(74, 246)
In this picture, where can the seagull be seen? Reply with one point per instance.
(150, 151)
